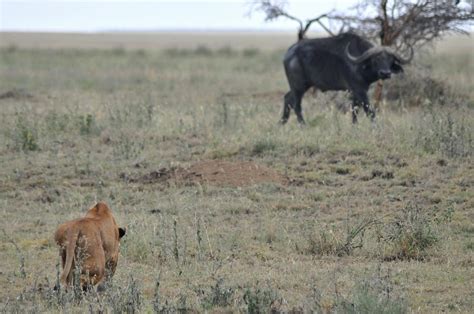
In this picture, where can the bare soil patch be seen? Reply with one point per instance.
(216, 172)
(17, 94)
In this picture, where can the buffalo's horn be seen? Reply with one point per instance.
(401, 59)
(367, 54)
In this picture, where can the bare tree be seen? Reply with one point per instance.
(396, 23)
(405, 24)
(400, 24)
(274, 10)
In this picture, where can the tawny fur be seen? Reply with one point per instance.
(93, 242)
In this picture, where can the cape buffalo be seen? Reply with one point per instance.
(343, 62)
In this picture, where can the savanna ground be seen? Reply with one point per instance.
(225, 209)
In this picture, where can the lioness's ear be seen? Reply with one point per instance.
(122, 232)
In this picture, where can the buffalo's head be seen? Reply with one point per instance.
(379, 62)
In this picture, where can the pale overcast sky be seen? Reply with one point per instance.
(149, 15)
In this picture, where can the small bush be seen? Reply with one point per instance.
(226, 51)
(218, 296)
(307, 150)
(41, 298)
(259, 300)
(417, 87)
(137, 246)
(175, 52)
(202, 50)
(342, 170)
(262, 146)
(469, 246)
(87, 124)
(337, 242)
(317, 121)
(250, 52)
(411, 234)
(11, 48)
(323, 243)
(118, 51)
(128, 147)
(29, 141)
(126, 299)
(369, 299)
(25, 136)
(140, 53)
(56, 122)
(450, 135)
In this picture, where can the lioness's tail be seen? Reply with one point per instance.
(72, 236)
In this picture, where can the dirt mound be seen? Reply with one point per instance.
(161, 175)
(16, 94)
(216, 172)
(240, 173)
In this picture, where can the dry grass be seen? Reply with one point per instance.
(148, 40)
(85, 121)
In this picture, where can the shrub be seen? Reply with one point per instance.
(262, 146)
(28, 140)
(202, 50)
(259, 300)
(87, 124)
(336, 242)
(126, 299)
(57, 123)
(367, 299)
(175, 52)
(411, 234)
(25, 136)
(417, 87)
(218, 296)
(137, 246)
(442, 132)
(128, 147)
(118, 51)
(250, 52)
(226, 51)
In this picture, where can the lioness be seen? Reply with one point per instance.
(91, 243)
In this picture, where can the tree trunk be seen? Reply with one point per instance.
(378, 94)
(386, 39)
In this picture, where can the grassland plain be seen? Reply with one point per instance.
(352, 218)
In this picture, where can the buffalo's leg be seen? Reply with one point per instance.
(287, 104)
(355, 111)
(297, 106)
(360, 100)
(369, 111)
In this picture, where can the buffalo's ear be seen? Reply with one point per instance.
(396, 68)
(122, 232)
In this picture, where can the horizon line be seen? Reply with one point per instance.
(158, 30)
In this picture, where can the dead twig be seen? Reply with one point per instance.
(19, 253)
